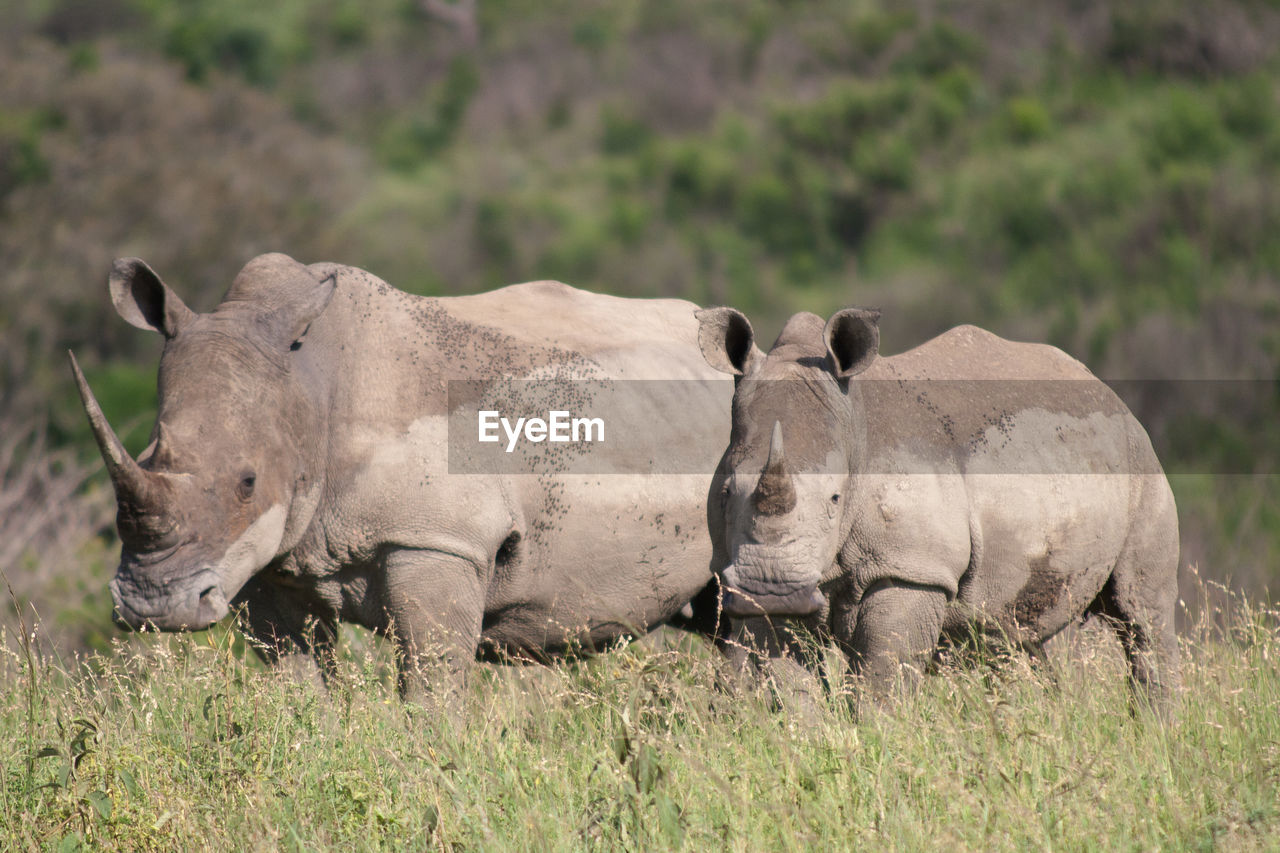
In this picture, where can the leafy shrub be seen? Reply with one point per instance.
(409, 140)
(621, 133)
(847, 112)
(870, 33)
(770, 210)
(944, 104)
(493, 234)
(700, 176)
(628, 219)
(1026, 119)
(1248, 107)
(349, 26)
(575, 256)
(1025, 209)
(1154, 37)
(203, 43)
(938, 49)
(1186, 126)
(887, 162)
(591, 33)
(20, 159)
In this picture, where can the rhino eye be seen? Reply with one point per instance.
(245, 488)
(835, 499)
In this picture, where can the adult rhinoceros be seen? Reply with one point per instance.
(299, 467)
(970, 482)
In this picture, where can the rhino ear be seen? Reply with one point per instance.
(309, 307)
(853, 340)
(283, 295)
(145, 301)
(726, 339)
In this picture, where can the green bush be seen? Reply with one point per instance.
(887, 162)
(622, 134)
(700, 175)
(844, 115)
(940, 48)
(494, 234)
(592, 34)
(628, 220)
(870, 33)
(21, 161)
(1185, 126)
(348, 25)
(1025, 208)
(576, 253)
(406, 141)
(203, 44)
(943, 106)
(1026, 119)
(773, 212)
(1248, 107)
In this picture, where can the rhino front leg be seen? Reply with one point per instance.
(896, 633)
(783, 655)
(287, 633)
(434, 605)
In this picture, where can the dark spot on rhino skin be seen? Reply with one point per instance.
(948, 427)
(1043, 589)
(1003, 421)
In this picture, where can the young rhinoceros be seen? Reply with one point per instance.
(970, 483)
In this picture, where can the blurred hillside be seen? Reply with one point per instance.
(1102, 176)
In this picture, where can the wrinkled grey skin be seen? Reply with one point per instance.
(299, 467)
(862, 497)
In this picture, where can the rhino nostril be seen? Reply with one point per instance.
(208, 591)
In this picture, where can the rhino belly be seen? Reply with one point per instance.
(606, 557)
(1044, 545)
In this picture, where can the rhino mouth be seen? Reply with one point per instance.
(741, 598)
(800, 602)
(192, 603)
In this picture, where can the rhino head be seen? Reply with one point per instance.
(230, 476)
(779, 506)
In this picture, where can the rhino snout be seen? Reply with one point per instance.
(190, 604)
(736, 599)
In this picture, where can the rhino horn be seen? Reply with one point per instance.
(775, 494)
(132, 484)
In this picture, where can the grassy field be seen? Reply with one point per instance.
(183, 742)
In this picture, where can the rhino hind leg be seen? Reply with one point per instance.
(1145, 629)
(896, 633)
(1138, 600)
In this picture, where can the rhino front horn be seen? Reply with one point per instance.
(132, 484)
(775, 494)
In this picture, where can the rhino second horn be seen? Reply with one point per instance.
(130, 481)
(775, 493)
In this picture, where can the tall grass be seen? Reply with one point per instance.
(180, 742)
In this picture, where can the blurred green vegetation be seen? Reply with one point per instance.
(1100, 176)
